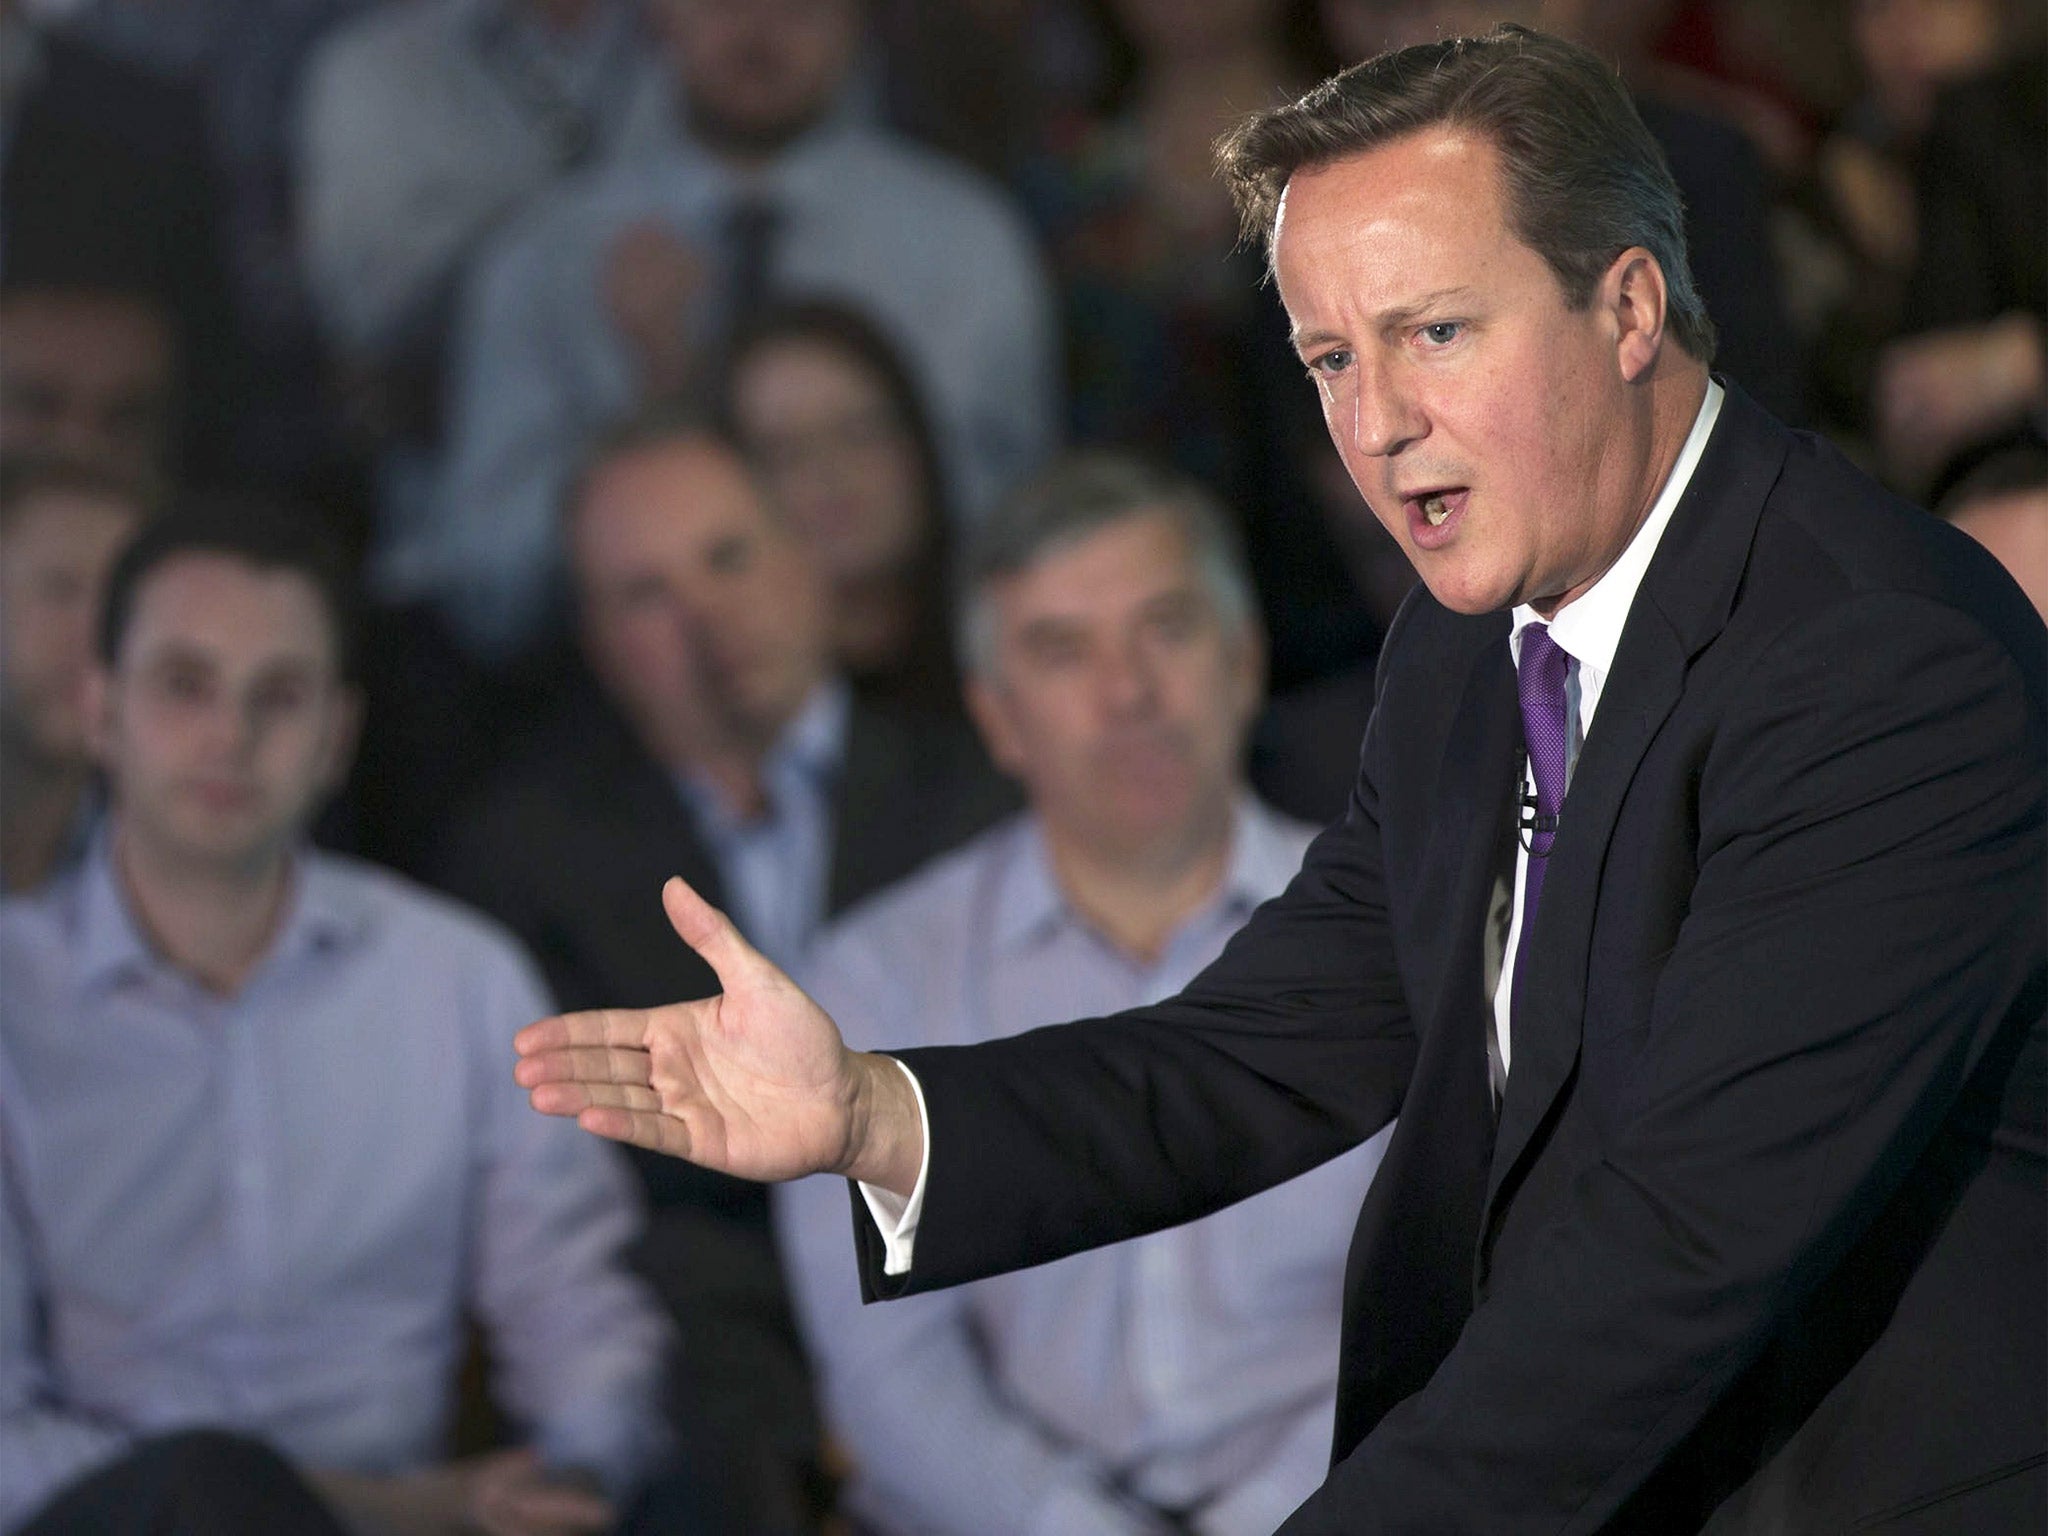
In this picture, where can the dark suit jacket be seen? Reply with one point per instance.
(570, 849)
(1757, 1242)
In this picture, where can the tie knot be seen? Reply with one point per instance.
(1540, 677)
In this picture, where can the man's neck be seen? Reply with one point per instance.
(1138, 898)
(1674, 402)
(213, 920)
(39, 805)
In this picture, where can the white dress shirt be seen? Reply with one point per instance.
(1588, 629)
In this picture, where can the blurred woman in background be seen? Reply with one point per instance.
(823, 403)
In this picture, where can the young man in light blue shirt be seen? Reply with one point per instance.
(259, 1156)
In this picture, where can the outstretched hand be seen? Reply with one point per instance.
(754, 1082)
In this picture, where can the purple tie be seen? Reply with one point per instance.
(1540, 679)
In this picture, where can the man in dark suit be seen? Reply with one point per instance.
(1716, 1200)
(723, 746)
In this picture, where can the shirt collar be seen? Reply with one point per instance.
(321, 911)
(811, 749)
(1029, 904)
(1588, 629)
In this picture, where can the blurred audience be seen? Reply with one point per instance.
(616, 292)
(1851, 233)
(831, 420)
(106, 187)
(725, 748)
(61, 525)
(321, 1161)
(243, 60)
(89, 373)
(1184, 1382)
(1972, 370)
(2003, 505)
(421, 129)
(1176, 347)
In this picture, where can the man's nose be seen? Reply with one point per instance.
(1126, 678)
(1385, 417)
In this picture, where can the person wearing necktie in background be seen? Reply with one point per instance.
(618, 293)
(1754, 1240)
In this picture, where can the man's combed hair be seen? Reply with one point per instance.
(266, 535)
(1585, 178)
(1076, 495)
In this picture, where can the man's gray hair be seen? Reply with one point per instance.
(1584, 178)
(1075, 496)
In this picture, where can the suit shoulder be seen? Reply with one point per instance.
(1829, 535)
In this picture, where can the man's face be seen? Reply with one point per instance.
(86, 376)
(755, 73)
(1116, 692)
(702, 614)
(54, 557)
(224, 720)
(1493, 431)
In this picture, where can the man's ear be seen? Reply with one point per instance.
(1633, 294)
(985, 705)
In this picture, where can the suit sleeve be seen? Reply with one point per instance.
(1295, 1046)
(1865, 929)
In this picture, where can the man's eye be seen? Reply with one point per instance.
(1442, 332)
(1336, 360)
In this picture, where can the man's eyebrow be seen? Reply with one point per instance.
(1387, 319)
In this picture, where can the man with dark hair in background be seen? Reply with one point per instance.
(89, 372)
(1689, 908)
(258, 1161)
(722, 743)
(61, 525)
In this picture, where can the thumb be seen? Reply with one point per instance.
(711, 934)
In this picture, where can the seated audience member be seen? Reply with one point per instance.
(424, 127)
(88, 373)
(831, 419)
(1185, 1381)
(612, 294)
(1850, 230)
(261, 1153)
(61, 525)
(106, 185)
(2003, 504)
(1972, 369)
(727, 749)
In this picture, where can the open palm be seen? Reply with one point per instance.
(755, 1082)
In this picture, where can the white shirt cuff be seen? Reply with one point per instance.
(895, 1217)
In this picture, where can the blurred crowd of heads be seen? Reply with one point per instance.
(783, 514)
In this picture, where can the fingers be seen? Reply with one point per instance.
(711, 933)
(603, 1026)
(583, 1064)
(651, 1129)
(574, 1098)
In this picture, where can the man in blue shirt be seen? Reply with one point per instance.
(1183, 1381)
(259, 1160)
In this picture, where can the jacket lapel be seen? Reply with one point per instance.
(1686, 595)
